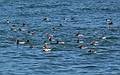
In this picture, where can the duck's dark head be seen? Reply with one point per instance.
(77, 33)
(13, 25)
(17, 41)
(81, 46)
(28, 31)
(28, 41)
(20, 29)
(57, 42)
(23, 24)
(60, 25)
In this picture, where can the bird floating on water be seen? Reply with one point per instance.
(60, 42)
(104, 37)
(79, 37)
(8, 21)
(46, 48)
(49, 36)
(13, 28)
(91, 51)
(94, 43)
(82, 47)
(46, 19)
(21, 42)
(109, 21)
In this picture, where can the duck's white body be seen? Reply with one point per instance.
(61, 42)
(109, 21)
(21, 42)
(104, 37)
(46, 49)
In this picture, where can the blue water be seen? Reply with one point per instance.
(85, 16)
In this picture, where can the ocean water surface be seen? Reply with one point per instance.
(65, 18)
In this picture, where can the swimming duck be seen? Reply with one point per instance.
(45, 19)
(8, 21)
(82, 47)
(94, 43)
(91, 51)
(21, 42)
(31, 33)
(13, 28)
(19, 29)
(54, 29)
(46, 48)
(109, 21)
(79, 40)
(79, 35)
(60, 25)
(104, 37)
(22, 29)
(60, 42)
(23, 25)
(50, 36)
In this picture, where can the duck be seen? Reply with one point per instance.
(82, 47)
(23, 25)
(7, 21)
(79, 41)
(79, 35)
(45, 19)
(50, 36)
(21, 42)
(54, 29)
(60, 42)
(13, 28)
(46, 48)
(91, 51)
(94, 43)
(19, 29)
(104, 37)
(60, 25)
(22, 29)
(109, 21)
(31, 33)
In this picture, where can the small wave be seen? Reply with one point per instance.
(43, 6)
